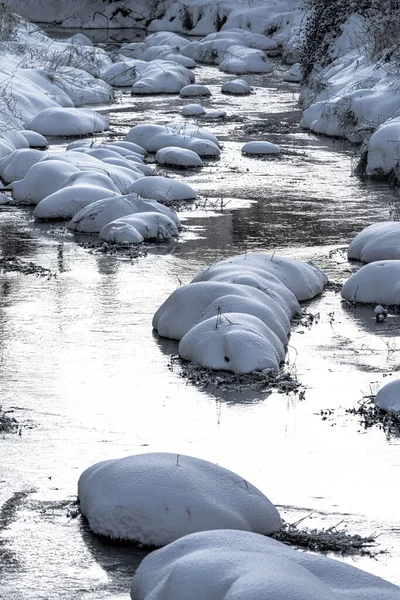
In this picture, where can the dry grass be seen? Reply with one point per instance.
(8, 423)
(371, 415)
(13, 263)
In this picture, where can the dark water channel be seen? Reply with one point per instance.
(88, 380)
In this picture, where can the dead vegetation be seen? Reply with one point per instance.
(8, 423)
(333, 539)
(13, 263)
(284, 382)
(126, 250)
(371, 415)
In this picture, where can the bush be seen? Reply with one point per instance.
(8, 22)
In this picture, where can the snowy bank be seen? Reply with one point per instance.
(157, 498)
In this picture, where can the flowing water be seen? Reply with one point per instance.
(88, 379)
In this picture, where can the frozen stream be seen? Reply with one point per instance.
(89, 380)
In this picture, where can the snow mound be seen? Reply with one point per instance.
(16, 165)
(157, 498)
(162, 77)
(148, 225)
(120, 74)
(236, 86)
(375, 283)
(236, 342)
(260, 148)
(380, 241)
(182, 135)
(98, 214)
(244, 38)
(383, 151)
(239, 565)
(193, 110)
(194, 90)
(245, 60)
(34, 139)
(69, 200)
(43, 178)
(293, 74)
(303, 279)
(163, 189)
(216, 114)
(388, 397)
(67, 122)
(185, 307)
(178, 157)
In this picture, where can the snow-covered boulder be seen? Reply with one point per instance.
(375, 283)
(379, 241)
(260, 148)
(388, 397)
(34, 139)
(384, 148)
(194, 90)
(303, 279)
(120, 74)
(182, 135)
(162, 77)
(178, 157)
(163, 189)
(16, 165)
(43, 178)
(236, 342)
(157, 498)
(236, 86)
(293, 74)
(98, 214)
(245, 60)
(244, 38)
(67, 122)
(238, 565)
(216, 114)
(148, 225)
(185, 307)
(193, 110)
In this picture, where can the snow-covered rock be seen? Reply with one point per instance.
(98, 214)
(245, 60)
(236, 86)
(293, 74)
(120, 74)
(43, 178)
(194, 90)
(236, 342)
(34, 139)
(375, 283)
(148, 225)
(16, 165)
(193, 110)
(379, 241)
(182, 135)
(384, 148)
(388, 397)
(162, 77)
(157, 498)
(163, 189)
(260, 148)
(303, 279)
(178, 157)
(238, 565)
(67, 122)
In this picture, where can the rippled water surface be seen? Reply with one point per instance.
(88, 380)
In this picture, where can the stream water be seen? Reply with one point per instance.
(88, 380)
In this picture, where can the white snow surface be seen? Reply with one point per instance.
(245, 60)
(237, 342)
(42, 179)
(384, 147)
(16, 165)
(58, 121)
(162, 77)
(163, 189)
(182, 135)
(375, 283)
(157, 498)
(379, 241)
(260, 148)
(238, 565)
(148, 225)
(98, 214)
(178, 157)
(34, 139)
(388, 397)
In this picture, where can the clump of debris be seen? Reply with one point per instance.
(8, 423)
(333, 539)
(126, 250)
(371, 415)
(13, 263)
(205, 378)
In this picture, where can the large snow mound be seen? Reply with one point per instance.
(379, 241)
(67, 122)
(42, 179)
(245, 60)
(238, 565)
(163, 189)
(375, 283)
(162, 77)
(383, 147)
(178, 157)
(181, 135)
(98, 214)
(388, 397)
(16, 165)
(236, 87)
(236, 342)
(157, 498)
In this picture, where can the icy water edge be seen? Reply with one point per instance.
(88, 380)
